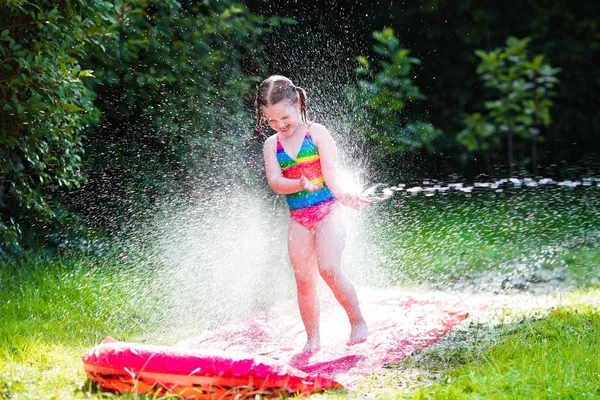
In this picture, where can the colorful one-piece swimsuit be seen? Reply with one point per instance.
(306, 208)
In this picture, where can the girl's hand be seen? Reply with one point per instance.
(355, 200)
(308, 185)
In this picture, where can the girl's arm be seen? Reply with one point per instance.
(278, 183)
(329, 168)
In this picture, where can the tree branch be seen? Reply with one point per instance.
(13, 75)
(11, 27)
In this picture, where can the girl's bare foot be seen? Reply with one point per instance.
(359, 333)
(311, 347)
(299, 360)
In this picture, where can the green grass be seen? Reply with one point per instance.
(453, 236)
(53, 309)
(555, 356)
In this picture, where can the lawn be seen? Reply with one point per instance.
(54, 307)
(550, 356)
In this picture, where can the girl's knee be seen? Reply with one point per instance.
(329, 275)
(306, 285)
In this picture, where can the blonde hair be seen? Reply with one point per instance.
(274, 89)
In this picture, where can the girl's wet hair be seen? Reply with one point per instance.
(274, 89)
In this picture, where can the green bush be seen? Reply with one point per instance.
(174, 84)
(45, 107)
(519, 101)
(166, 100)
(382, 97)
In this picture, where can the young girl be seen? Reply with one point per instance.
(300, 162)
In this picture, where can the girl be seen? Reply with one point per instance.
(300, 162)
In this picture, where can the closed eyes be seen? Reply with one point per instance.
(283, 118)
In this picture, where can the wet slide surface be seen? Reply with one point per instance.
(261, 351)
(400, 323)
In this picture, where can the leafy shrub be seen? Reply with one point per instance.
(45, 106)
(519, 100)
(166, 101)
(381, 99)
(174, 84)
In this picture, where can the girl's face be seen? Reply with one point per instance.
(283, 117)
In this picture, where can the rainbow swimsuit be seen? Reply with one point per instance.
(306, 208)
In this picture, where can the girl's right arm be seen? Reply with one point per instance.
(278, 183)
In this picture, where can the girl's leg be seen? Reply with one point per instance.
(330, 236)
(302, 252)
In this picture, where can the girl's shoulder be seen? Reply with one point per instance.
(315, 127)
(319, 132)
(270, 143)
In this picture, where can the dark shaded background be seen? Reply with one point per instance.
(320, 52)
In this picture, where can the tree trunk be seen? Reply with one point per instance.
(488, 164)
(534, 154)
(509, 146)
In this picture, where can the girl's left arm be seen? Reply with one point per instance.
(329, 168)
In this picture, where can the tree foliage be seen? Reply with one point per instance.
(519, 102)
(45, 106)
(172, 83)
(443, 35)
(165, 100)
(382, 96)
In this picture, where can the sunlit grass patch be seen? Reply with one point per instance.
(54, 309)
(550, 356)
(72, 301)
(42, 371)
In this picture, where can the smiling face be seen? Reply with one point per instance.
(283, 117)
